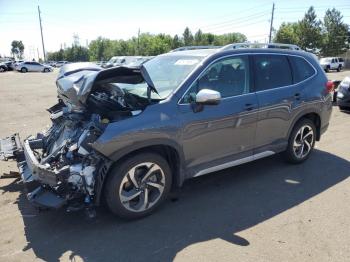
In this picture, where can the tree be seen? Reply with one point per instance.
(309, 31)
(99, 49)
(336, 34)
(198, 38)
(188, 37)
(229, 38)
(17, 49)
(176, 42)
(287, 33)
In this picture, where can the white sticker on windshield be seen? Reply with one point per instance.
(186, 62)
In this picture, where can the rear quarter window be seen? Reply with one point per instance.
(301, 69)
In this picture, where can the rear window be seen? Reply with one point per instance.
(301, 69)
(271, 71)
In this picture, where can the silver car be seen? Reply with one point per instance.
(33, 67)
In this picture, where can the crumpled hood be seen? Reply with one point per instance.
(76, 81)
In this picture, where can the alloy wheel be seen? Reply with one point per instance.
(142, 187)
(303, 141)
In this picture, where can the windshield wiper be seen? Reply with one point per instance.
(150, 84)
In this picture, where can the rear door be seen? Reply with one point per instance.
(225, 132)
(276, 98)
(37, 67)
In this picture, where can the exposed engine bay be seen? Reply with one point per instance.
(66, 169)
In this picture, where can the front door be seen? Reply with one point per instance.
(221, 133)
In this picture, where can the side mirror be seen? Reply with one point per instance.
(208, 97)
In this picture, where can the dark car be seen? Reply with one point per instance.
(343, 94)
(130, 135)
(3, 67)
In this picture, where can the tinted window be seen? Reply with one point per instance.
(271, 71)
(341, 60)
(229, 76)
(301, 69)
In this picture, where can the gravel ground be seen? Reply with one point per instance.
(262, 211)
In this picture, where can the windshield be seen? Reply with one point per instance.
(167, 73)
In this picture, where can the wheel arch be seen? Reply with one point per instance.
(172, 154)
(314, 117)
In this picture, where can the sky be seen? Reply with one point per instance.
(117, 19)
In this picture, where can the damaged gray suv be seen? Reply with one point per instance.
(130, 135)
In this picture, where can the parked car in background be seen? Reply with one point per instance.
(33, 67)
(101, 63)
(343, 94)
(114, 61)
(10, 65)
(331, 63)
(137, 61)
(3, 67)
(60, 63)
(129, 134)
(125, 61)
(51, 63)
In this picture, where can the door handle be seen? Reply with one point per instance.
(249, 107)
(297, 96)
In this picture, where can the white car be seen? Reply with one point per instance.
(60, 63)
(33, 67)
(332, 63)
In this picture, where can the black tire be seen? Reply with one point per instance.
(118, 174)
(327, 69)
(24, 70)
(46, 70)
(2, 69)
(290, 154)
(339, 68)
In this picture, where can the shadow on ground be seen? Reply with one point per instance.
(209, 207)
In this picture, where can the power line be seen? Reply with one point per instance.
(236, 20)
(227, 27)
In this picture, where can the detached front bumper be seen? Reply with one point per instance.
(33, 174)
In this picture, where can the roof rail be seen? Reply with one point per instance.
(260, 45)
(184, 48)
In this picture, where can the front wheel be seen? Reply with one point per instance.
(46, 70)
(301, 141)
(138, 185)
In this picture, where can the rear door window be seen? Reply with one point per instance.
(271, 71)
(301, 69)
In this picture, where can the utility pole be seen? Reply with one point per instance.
(138, 42)
(42, 37)
(273, 11)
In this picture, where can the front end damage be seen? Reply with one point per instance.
(59, 167)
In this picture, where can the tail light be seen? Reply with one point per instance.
(329, 86)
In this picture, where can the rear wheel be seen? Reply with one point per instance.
(137, 186)
(339, 68)
(301, 141)
(24, 70)
(46, 70)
